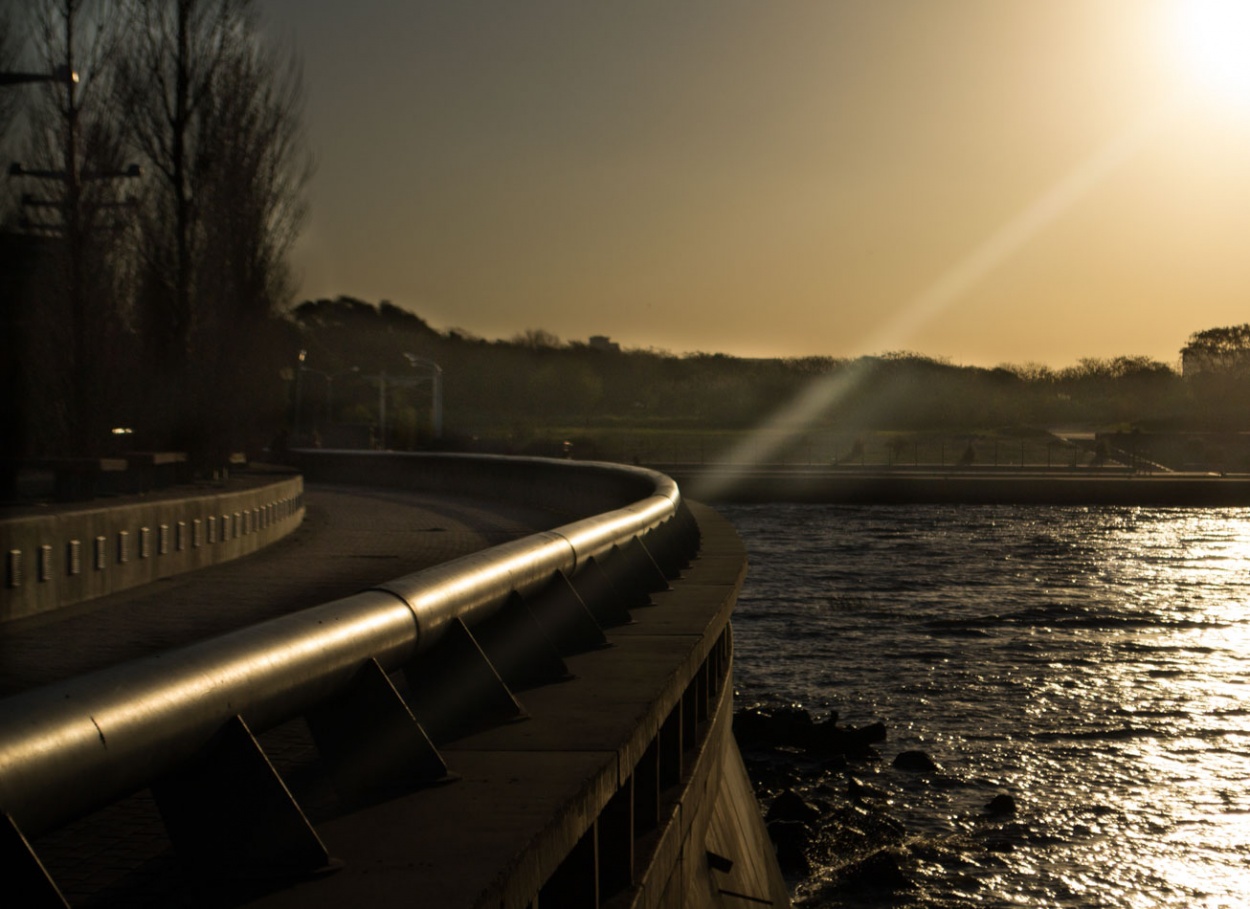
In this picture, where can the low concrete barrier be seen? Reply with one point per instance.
(76, 554)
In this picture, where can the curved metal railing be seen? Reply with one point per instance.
(73, 746)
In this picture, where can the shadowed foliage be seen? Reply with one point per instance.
(523, 394)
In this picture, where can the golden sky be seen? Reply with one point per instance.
(990, 181)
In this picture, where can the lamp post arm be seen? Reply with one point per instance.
(62, 74)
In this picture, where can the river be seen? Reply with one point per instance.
(1090, 662)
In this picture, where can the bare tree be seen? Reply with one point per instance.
(170, 71)
(217, 118)
(253, 197)
(253, 206)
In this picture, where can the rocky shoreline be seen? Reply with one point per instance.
(833, 815)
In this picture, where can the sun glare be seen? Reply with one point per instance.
(1211, 38)
(961, 277)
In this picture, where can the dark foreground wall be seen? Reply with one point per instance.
(622, 786)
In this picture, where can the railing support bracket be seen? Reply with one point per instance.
(371, 742)
(454, 689)
(519, 648)
(26, 881)
(600, 595)
(565, 618)
(229, 813)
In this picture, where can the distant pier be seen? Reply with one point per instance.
(960, 486)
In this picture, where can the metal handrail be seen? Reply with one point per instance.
(73, 746)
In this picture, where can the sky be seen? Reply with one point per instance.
(984, 181)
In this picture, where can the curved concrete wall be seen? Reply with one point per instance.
(67, 557)
(579, 488)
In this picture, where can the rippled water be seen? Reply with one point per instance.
(1092, 662)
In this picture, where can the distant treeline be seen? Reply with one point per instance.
(519, 386)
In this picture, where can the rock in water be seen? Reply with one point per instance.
(915, 762)
(879, 871)
(827, 738)
(771, 728)
(790, 806)
(791, 841)
(1001, 805)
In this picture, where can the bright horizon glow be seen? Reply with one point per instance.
(992, 252)
(783, 180)
(1213, 39)
(823, 393)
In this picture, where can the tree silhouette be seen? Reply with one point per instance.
(216, 117)
(1218, 350)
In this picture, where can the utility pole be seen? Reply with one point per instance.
(13, 412)
(72, 228)
(72, 213)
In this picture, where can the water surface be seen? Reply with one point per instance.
(1089, 661)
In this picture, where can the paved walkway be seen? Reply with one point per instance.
(350, 539)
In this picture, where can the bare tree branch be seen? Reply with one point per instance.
(217, 116)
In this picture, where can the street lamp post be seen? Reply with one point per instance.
(382, 410)
(299, 372)
(326, 377)
(384, 380)
(330, 377)
(436, 390)
(61, 74)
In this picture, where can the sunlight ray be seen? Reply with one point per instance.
(1060, 197)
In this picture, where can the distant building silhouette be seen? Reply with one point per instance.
(603, 342)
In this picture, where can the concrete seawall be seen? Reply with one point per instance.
(598, 768)
(621, 787)
(634, 790)
(69, 555)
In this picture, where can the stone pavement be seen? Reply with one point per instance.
(350, 539)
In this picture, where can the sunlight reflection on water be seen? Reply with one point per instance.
(1089, 661)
